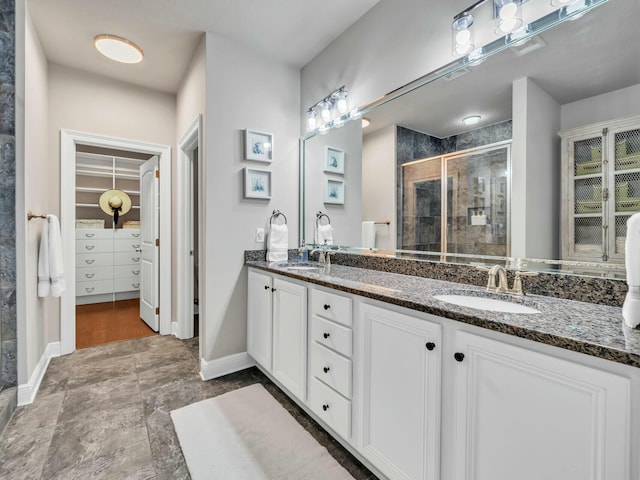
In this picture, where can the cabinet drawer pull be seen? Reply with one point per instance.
(135, 259)
(89, 247)
(89, 289)
(266, 287)
(135, 247)
(89, 262)
(326, 369)
(135, 285)
(325, 407)
(327, 306)
(89, 275)
(326, 335)
(136, 235)
(430, 346)
(458, 356)
(89, 235)
(273, 289)
(135, 272)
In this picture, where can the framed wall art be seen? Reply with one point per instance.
(257, 183)
(333, 160)
(334, 191)
(258, 146)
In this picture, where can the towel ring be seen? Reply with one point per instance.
(276, 214)
(319, 216)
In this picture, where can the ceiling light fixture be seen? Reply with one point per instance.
(335, 105)
(118, 48)
(365, 122)
(471, 120)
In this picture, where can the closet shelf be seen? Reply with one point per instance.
(101, 190)
(95, 205)
(110, 174)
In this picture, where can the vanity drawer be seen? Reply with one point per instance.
(331, 407)
(94, 246)
(130, 245)
(126, 284)
(94, 288)
(127, 271)
(126, 258)
(332, 335)
(331, 368)
(94, 233)
(94, 259)
(91, 274)
(331, 306)
(126, 233)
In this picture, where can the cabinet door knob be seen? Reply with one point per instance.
(273, 289)
(430, 346)
(458, 356)
(326, 335)
(326, 306)
(266, 287)
(326, 369)
(325, 407)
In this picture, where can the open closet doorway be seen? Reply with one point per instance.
(121, 279)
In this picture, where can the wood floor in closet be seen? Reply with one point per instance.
(100, 323)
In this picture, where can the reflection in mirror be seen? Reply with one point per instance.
(424, 171)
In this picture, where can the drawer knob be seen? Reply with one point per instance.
(431, 346)
(266, 287)
(89, 275)
(89, 261)
(89, 247)
(135, 247)
(89, 235)
(326, 306)
(458, 356)
(135, 235)
(273, 289)
(326, 335)
(135, 272)
(135, 259)
(325, 407)
(326, 369)
(135, 285)
(90, 289)
(138, 250)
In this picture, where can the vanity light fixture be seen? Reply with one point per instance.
(563, 3)
(333, 105)
(509, 17)
(471, 120)
(118, 48)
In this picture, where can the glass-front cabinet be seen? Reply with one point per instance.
(600, 189)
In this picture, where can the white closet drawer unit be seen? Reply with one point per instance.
(91, 274)
(331, 306)
(333, 408)
(94, 246)
(332, 335)
(94, 259)
(126, 258)
(122, 233)
(94, 288)
(127, 271)
(94, 233)
(332, 369)
(126, 284)
(131, 245)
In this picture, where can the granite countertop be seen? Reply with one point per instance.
(596, 330)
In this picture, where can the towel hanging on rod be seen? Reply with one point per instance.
(31, 215)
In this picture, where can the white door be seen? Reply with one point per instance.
(400, 401)
(528, 416)
(259, 325)
(150, 234)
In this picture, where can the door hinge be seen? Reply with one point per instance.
(605, 194)
(157, 310)
(157, 173)
(157, 242)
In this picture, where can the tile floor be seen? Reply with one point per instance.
(103, 413)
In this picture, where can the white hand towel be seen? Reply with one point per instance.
(369, 234)
(44, 280)
(278, 243)
(324, 234)
(631, 306)
(50, 269)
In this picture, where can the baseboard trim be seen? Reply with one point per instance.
(27, 392)
(223, 366)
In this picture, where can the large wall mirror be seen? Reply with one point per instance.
(423, 181)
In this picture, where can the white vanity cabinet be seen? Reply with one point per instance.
(527, 415)
(400, 403)
(277, 329)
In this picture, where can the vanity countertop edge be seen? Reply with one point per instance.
(591, 329)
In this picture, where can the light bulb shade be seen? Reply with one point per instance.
(563, 3)
(325, 111)
(342, 105)
(312, 121)
(462, 35)
(118, 48)
(509, 16)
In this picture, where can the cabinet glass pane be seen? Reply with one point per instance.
(621, 232)
(627, 153)
(587, 156)
(588, 195)
(627, 192)
(588, 233)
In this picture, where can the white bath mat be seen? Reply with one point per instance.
(247, 434)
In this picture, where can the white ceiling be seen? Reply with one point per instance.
(287, 31)
(583, 58)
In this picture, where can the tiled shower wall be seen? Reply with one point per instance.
(413, 145)
(8, 339)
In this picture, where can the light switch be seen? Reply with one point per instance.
(259, 235)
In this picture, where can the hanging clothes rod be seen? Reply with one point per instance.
(382, 222)
(31, 215)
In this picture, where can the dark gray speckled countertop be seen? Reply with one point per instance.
(596, 330)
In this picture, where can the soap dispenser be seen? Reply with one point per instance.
(631, 306)
(303, 254)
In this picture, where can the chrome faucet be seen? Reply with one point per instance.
(322, 254)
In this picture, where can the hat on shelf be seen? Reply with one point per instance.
(115, 203)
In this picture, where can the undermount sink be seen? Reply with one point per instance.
(487, 304)
(299, 266)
